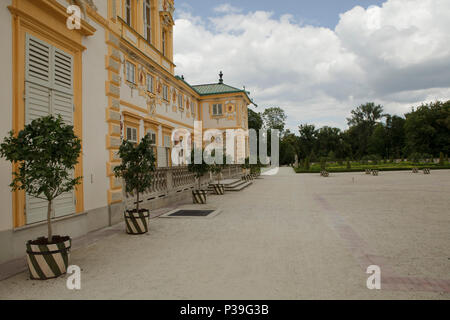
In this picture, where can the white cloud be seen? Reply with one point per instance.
(397, 55)
(227, 8)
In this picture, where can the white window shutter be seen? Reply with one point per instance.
(64, 204)
(48, 90)
(37, 101)
(63, 71)
(37, 104)
(38, 57)
(62, 104)
(36, 209)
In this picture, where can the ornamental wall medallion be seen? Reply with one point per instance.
(230, 108)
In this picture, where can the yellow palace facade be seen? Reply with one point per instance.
(113, 78)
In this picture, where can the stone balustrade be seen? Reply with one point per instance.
(174, 184)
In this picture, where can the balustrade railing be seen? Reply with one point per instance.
(167, 181)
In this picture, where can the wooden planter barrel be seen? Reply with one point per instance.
(137, 222)
(199, 196)
(219, 189)
(48, 261)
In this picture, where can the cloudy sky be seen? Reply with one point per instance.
(319, 59)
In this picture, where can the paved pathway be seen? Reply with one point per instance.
(285, 237)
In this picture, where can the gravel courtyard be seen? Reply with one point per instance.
(289, 236)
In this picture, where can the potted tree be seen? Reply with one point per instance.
(217, 168)
(199, 170)
(246, 168)
(255, 169)
(136, 169)
(44, 154)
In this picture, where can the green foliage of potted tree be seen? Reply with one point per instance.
(45, 153)
(199, 170)
(137, 167)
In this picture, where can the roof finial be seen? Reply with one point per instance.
(221, 77)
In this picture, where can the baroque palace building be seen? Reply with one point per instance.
(113, 79)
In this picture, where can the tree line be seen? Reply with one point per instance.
(422, 133)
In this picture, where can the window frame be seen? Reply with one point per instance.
(129, 63)
(129, 12)
(180, 100)
(164, 42)
(152, 78)
(126, 133)
(152, 133)
(216, 105)
(165, 92)
(148, 20)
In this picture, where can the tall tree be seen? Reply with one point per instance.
(274, 118)
(368, 113)
(307, 139)
(361, 125)
(255, 120)
(427, 129)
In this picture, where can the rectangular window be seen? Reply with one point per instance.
(217, 109)
(131, 72)
(180, 100)
(152, 136)
(167, 142)
(147, 21)
(150, 83)
(128, 13)
(132, 134)
(164, 42)
(165, 92)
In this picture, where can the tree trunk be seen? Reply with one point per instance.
(199, 183)
(137, 202)
(49, 221)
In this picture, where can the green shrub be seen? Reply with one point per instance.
(348, 164)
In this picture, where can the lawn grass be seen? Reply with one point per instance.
(357, 167)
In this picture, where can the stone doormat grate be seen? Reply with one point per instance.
(191, 213)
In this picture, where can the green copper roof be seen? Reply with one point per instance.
(215, 88)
